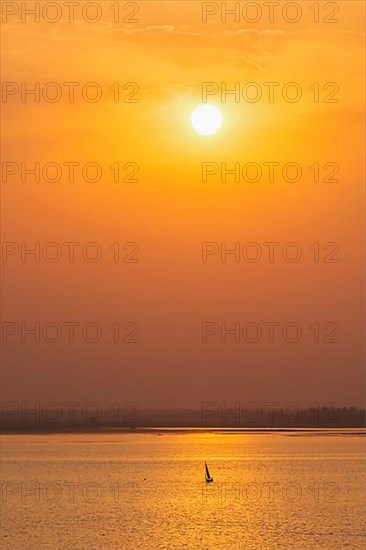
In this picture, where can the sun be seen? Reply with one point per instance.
(206, 120)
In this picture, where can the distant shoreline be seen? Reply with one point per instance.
(218, 430)
(129, 419)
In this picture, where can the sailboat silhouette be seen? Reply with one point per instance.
(208, 477)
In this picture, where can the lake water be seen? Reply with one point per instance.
(127, 491)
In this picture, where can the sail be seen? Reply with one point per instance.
(207, 472)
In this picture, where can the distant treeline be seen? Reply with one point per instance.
(212, 415)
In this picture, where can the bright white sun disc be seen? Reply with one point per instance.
(206, 120)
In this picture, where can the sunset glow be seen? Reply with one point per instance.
(206, 120)
(182, 215)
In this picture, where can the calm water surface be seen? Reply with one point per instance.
(295, 491)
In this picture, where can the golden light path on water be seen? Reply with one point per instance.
(143, 491)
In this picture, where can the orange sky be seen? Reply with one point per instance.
(170, 292)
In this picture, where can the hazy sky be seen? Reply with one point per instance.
(169, 212)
